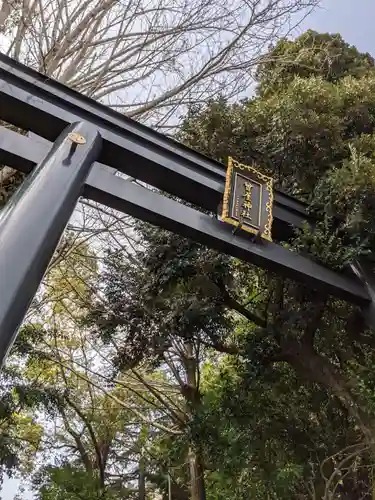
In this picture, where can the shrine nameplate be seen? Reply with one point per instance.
(248, 199)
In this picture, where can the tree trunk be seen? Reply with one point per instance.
(193, 402)
(197, 484)
(316, 368)
(142, 480)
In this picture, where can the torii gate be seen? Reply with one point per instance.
(87, 141)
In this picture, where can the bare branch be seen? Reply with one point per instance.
(144, 56)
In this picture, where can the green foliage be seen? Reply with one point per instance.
(69, 283)
(311, 54)
(311, 127)
(296, 134)
(21, 433)
(267, 434)
(174, 290)
(347, 195)
(329, 245)
(70, 483)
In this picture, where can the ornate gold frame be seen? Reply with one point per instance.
(268, 182)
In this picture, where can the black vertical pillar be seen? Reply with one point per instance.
(33, 221)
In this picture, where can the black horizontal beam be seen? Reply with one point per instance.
(102, 186)
(123, 195)
(34, 102)
(19, 151)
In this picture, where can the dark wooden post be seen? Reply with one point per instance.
(32, 223)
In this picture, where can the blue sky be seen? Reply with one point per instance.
(354, 20)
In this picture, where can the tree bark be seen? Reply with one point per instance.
(142, 480)
(193, 402)
(312, 366)
(197, 483)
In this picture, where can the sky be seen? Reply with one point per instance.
(354, 20)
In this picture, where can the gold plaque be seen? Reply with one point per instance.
(248, 199)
